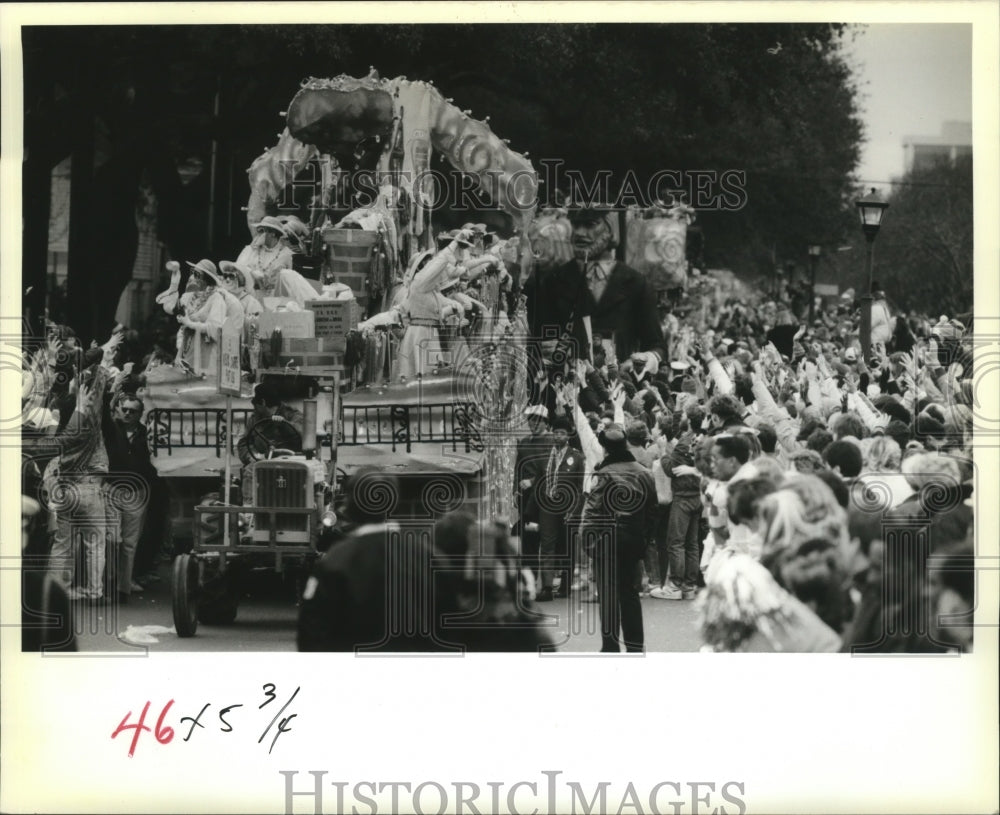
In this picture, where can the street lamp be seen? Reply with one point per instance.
(871, 210)
(814, 252)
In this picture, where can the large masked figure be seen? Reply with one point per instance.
(592, 295)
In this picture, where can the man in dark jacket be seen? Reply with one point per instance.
(560, 497)
(617, 518)
(529, 469)
(131, 482)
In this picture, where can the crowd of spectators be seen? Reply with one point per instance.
(97, 508)
(805, 498)
(808, 495)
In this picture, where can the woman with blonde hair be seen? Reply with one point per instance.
(880, 485)
(806, 546)
(803, 509)
(880, 454)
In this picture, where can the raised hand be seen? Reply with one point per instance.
(109, 349)
(175, 275)
(570, 394)
(84, 393)
(53, 346)
(618, 395)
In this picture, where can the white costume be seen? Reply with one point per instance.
(426, 308)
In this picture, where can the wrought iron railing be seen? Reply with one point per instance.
(171, 428)
(406, 425)
(400, 426)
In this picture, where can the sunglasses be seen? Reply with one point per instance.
(227, 276)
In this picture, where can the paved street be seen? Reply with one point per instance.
(267, 618)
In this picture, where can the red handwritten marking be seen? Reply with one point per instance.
(164, 735)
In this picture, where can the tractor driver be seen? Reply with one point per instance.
(272, 426)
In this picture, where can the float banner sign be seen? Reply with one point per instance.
(229, 360)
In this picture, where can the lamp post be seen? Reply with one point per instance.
(870, 210)
(814, 253)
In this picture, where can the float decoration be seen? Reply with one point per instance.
(397, 122)
(656, 244)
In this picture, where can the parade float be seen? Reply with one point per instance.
(656, 245)
(349, 185)
(447, 433)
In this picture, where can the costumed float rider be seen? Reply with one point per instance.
(266, 255)
(296, 234)
(485, 257)
(201, 311)
(420, 305)
(268, 259)
(235, 280)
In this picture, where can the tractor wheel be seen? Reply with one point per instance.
(185, 595)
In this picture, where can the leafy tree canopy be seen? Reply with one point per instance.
(924, 248)
(776, 102)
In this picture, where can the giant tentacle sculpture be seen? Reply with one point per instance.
(406, 118)
(273, 171)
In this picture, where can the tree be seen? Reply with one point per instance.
(924, 248)
(774, 101)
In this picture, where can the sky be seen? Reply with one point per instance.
(912, 78)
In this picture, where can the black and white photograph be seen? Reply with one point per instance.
(384, 371)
